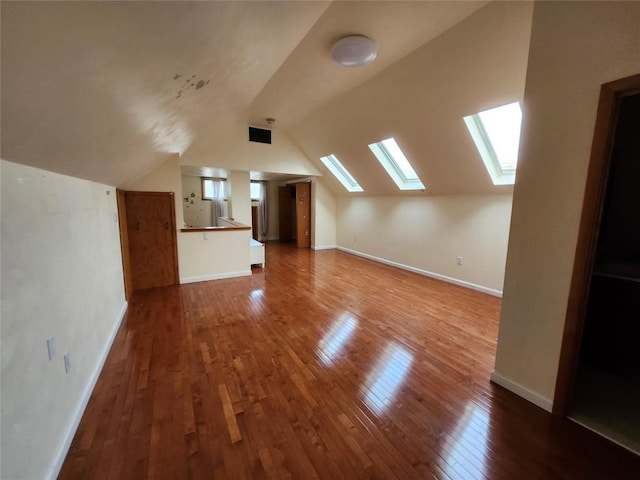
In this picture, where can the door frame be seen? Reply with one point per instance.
(124, 243)
(254, 222)
(592, 205)
(174, 236)
(285, 210)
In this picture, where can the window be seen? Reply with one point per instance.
(208, 187)
(496, 133)
(256, 189)
(396, 164)
(341, 173)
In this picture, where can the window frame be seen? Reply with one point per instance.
(262, 185)
(202, 188)
(393, 169)
(484, 145)
(340, 172)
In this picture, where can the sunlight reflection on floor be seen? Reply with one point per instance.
(332, 343)
(468, 441)
(384, 380)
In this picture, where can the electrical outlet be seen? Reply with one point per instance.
(67, 362)
(51, 347)
(459, 260)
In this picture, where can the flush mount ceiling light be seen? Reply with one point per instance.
(354, 51)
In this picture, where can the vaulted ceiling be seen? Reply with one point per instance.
(104, 90)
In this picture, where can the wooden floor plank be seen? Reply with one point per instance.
(324, 366)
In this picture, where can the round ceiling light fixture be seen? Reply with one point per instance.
(354, 51)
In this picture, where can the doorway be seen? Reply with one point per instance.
(151, 236)
(294, 213)
(254, 223)
(598, 382)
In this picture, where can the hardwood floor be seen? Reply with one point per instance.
(322, 366)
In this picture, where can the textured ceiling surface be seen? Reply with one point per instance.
(104, 90)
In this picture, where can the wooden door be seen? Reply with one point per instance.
(254, 222)
(303, 214)
(285, 207)
(151, 229)
(124, 243)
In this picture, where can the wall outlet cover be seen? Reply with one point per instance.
(51, 347)
(67, 362)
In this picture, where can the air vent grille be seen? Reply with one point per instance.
(259, 135)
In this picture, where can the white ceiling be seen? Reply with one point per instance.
(103, 90)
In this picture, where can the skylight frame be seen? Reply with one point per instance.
(497, 171)
(341, 173)
(392, 165)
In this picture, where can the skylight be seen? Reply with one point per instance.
(341, 173)
(396, 164)
(496, 133)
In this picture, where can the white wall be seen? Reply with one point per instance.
(198, 213)
(232, 150)
(166, 177)
(61, 276)
(273, 231)
(429, 233)
(575, 47)
(213, 255)
(240, 197)
(323, 215)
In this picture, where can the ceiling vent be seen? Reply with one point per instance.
(259, 135)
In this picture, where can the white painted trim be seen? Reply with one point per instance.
(215, 276)
(323, 247)
(437, 276)
(541, 401)
(54, 470)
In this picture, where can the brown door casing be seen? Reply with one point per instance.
(151, 230)
(303, 215)
(124, 243)
(285, 207)
(254, 222)
(601, 149)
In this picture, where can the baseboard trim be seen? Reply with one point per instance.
(522, 391)
(54, 471)
(426, 273)
(215, 276)
(323, 247)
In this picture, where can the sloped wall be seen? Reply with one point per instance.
(62, 278)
